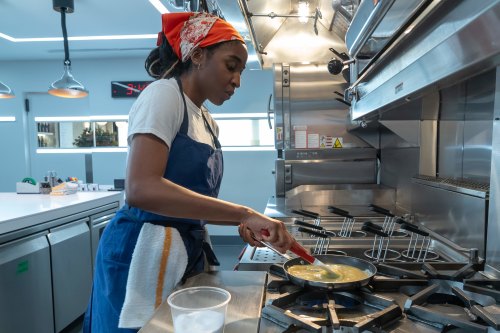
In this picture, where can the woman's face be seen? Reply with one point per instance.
(220, 71)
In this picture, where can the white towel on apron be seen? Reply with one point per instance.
(158, 264)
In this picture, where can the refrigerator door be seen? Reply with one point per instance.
(25, 286)
(71, 271)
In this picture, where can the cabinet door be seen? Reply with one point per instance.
(25, 286)
(71, 271)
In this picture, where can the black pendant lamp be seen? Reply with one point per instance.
(66, 86)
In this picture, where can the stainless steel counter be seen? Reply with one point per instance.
(243, 314)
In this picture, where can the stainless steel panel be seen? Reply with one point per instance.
(278, 106)
(339, 195)
(398, 165)
(309, 100)
(366, 131)
(279, 174)
(478, 126)
(331, 172)
(428, 148)
(465, 128)
(492, 243)
(477, 150)
(458, 217)
(408, 130)
(445, 48)
(376, 24)
(243, 313)
(71, 271)
(329, 154)
(285, 84)
(328, 166)
(450, 149)
(25, 286)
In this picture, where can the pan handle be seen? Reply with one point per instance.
(277, 270)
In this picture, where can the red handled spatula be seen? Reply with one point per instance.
(300, 251)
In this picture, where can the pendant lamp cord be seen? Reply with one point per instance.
(65, 36)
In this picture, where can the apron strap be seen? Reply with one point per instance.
(214, 137)
(185, 120)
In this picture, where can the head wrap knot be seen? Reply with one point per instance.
(186, 31)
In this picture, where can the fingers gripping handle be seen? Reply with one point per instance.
(296, 249)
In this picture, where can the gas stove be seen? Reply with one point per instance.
(424, 282)
(400, 298)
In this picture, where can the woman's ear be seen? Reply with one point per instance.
(197, 57)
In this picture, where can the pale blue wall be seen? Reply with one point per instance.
(247, 179)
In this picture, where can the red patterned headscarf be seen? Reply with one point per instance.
(185, 31)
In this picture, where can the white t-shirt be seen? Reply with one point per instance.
(159, 110)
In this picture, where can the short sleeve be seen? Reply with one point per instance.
(158, 110)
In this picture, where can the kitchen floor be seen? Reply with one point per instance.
(227, 250)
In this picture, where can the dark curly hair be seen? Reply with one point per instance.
(163, 63)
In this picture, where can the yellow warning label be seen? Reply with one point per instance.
(337, 143)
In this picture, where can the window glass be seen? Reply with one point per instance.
(82, 134)
(235, 130)
(241, 132)
(78, 134)
(48, 134)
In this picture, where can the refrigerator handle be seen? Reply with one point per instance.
(269, 111)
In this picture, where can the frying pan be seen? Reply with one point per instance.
(363, 265)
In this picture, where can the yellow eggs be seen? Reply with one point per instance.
(316, 273)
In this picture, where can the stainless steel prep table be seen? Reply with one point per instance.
(243, 314)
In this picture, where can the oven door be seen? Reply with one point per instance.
(98, 223)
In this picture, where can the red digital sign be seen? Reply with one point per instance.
(128, 88)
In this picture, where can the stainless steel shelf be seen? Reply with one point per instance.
(456, 185)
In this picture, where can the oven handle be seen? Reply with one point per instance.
(103, 218)
(101, 225)
(269, 111)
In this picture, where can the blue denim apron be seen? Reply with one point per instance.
(194, 165)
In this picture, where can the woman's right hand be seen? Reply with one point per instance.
(256, 227)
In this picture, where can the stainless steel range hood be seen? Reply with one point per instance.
(279, 36)
(445, 42)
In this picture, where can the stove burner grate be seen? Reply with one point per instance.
(312, 310)
(457, 309)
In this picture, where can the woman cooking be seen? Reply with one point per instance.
(174, 171)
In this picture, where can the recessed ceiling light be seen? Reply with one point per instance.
(80, 38)
(159, 6)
